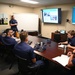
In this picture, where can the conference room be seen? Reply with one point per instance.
(47, 23)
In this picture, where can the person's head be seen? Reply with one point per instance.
(22, 30)
(24, 36)
(9, 32)
(71, 33)
(12, 17)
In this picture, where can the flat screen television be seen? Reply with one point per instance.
(73, 15)
(52, 15)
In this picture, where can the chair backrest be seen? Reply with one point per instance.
(22, 60)
(22, 64)
(72, 70)
(25, 67)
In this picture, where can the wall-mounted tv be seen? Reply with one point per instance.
(52, 15)
(73, 15)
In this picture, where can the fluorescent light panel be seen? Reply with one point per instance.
(29, 1)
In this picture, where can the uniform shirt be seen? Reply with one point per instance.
(0, 38)
(13, 21)
(8, 41)
(73, 61)
(24, 50)
(71, 41)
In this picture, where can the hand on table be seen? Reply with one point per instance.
(69, 53)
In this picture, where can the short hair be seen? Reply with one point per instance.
(7, 30)
(22, 30)
(23, 35)
(12, 15)
(72, 32)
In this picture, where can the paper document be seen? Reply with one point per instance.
(63, 59)
(61, 46)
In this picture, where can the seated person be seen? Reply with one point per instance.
(71, 39)
(3, 34)
(8, 40)
(24, 50)
(71, 61)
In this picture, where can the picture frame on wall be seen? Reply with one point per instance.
(3, 19)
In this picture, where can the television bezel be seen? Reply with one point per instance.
(59, 16)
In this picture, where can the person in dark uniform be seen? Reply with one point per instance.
(71, 61)
(71, 39)
(25, 51)
(13, 23)
(8, 40)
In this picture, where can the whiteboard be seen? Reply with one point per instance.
(27, 21)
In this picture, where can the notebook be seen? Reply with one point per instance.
(63, 59)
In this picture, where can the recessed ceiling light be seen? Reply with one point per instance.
(30, 1)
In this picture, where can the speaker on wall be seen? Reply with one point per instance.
(67, 20)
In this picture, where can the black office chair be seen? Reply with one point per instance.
(6, 52)
(26, 68)
(2, 49)
(57, 38)
(11, 59)
(72, 71)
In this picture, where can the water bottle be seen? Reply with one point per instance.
(41, 44)
(2, 20)
(65, 47)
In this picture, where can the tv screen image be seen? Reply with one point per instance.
(73, 15)
(51, 15)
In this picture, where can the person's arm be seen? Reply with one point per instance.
(69, 46)
(32, 55)
(69, 53)
(11, 24)
(70, 64)
(66, 42)
(34, 60)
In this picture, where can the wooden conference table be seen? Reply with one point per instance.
(51, 51)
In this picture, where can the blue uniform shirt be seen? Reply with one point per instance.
(73, 61)
(71, 41)
(13, 21)
(0, 38)
(24, 50)
(8, 41)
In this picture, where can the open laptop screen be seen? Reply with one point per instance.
(62, 31)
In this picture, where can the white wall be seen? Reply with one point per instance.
(66, 14)
(5, 8)
(46, 28)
